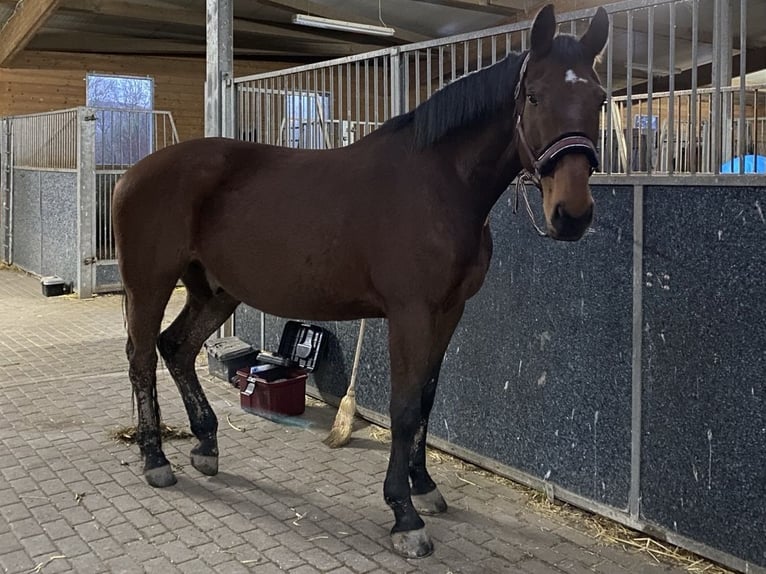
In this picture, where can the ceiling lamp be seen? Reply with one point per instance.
(342, 25)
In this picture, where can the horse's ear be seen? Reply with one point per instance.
(543, 29)
(595, 37)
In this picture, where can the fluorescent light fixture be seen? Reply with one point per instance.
(342, 25)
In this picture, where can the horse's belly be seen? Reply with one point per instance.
(288, 284)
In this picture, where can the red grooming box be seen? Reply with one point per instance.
(277, 383)
(284, 395)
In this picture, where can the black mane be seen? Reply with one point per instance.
(475, 96)
(468, 99)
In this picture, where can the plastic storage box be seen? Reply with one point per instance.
(277, 382)
(225, 356)
(54, 285)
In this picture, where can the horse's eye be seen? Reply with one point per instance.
(532, 99)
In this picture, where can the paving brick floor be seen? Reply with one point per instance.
(74, 500)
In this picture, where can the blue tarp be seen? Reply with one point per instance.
(751, 161)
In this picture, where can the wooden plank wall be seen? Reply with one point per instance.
(44, 81)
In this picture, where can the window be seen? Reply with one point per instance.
(124, 118)
(307, 116)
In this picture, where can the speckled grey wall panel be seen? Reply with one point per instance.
(27, 224)
(704, 359)
(538, 374)
(59, 224)
(107, 275)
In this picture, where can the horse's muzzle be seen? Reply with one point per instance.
(565, 227)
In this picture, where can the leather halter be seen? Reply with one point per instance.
(570, 142)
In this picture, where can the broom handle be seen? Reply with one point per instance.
(355, 369)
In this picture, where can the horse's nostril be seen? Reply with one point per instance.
(560, 211)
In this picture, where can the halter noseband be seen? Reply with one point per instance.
(570, 142)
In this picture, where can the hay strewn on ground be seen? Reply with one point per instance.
(604, 530)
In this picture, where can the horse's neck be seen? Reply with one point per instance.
(487, 159)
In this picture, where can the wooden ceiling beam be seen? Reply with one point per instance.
(22, 25)
(106, 43)
(308, 7)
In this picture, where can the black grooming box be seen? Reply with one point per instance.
(53, 286)
(227, 355)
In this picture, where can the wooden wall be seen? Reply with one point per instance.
(44, 81)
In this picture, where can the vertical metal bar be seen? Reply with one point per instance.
(453, 62)
(479, 54)
(366, 97)
(651, 134)
(388, 87)
(634, 497)
(86, 194)
(406, 75)
(494, 49)
(743, 85)
(441, 67)
(607, 155)
(395, 99)
(358, 128)
(694, 136)
(508, 44)
(715, 112)
(375, 101)
(629, 99)
(348, 101)
(466, 65)
(416, 55)
(671, 88)
(429, 74)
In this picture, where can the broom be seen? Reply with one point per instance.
(340, 433)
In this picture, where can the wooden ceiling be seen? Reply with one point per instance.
(262, 28)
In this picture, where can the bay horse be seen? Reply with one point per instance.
(394, 226)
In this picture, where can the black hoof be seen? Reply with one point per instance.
(429, 503)
(160, 476)
(206, 464)
(412, 543)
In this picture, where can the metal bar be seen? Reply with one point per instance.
(743, 85)
(375, 101)
(358, 132)
(715, 111)
(406, 76)
(671, 87)
(417, 78)
(366, 97)
(629, 100)
(607, 156)
(694, 137)
(441, 67)
(429, 73)
(649, 85)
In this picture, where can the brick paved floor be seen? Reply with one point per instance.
(74, 500)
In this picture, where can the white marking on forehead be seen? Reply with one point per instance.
(573, 78)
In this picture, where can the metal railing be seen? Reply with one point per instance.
(45, 141)
(122, 138)
(667, 69)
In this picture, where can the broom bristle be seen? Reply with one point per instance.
(343, 425)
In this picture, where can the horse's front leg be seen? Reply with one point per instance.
(416, 348)
(425, 494)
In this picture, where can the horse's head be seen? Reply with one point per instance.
(558, 101)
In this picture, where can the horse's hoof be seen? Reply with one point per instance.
(160, 477)
(412, 543)
(206, 464)
(429, 503)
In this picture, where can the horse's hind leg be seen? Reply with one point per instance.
(179, 345)
(417, 339)
(425, 494)
(144, 308)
